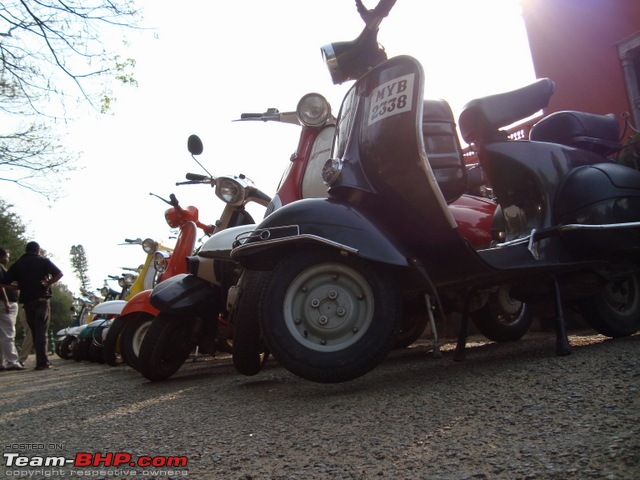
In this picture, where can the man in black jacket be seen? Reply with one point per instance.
(34, 276)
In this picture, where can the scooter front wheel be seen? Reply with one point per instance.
(132, 337)
(66, 347)
(329, 318)
(166, 346)
(111, 349)
(249, 352)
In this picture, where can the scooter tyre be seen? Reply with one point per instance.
(132, 338)
(503, 319)
(166, 346)
(66, 347)
(616, 311)
(329, 318)
(95, 353)
(249, 352)
(111, 348)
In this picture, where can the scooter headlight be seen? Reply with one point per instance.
(160, 261)
(128, 279)
(230, 191)
(331, 171)
(313, 110)
(149, 245)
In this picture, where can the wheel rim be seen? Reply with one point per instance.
(328, 307)
(510, 310)
(138, 336)
(622, 295)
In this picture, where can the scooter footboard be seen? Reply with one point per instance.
(185, 294)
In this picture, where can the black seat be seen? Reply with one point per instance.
(443, 148)
(597, 133)
(482, 118)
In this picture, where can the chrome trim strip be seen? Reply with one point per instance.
(606, 226)
(297, 237)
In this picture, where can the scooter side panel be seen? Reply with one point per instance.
(184, 294)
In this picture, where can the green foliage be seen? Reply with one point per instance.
(12, 231)
(80, 265)
(61, 303)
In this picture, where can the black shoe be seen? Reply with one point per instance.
(2, 369)
(15, 368)
(43, 367)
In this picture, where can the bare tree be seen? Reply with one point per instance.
(54, 57)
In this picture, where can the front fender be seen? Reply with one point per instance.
(140, 303)
(317, 221)
(185, 294)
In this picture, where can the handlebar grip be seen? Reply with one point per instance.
(173, 200)
(251, 115)
(197, 177)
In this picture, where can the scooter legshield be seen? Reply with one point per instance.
(327, 222)
(184, 294)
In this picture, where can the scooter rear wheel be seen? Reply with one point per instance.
(166, 346)
(503, 319)
(616, 311)
(329, 318)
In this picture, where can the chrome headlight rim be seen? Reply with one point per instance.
(149, 245)
(313, 110)
(230, 191)
(128, 279)
(160, 261)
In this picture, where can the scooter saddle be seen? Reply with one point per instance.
(597, 133)
(482, 118)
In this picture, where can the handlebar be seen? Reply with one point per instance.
(271, 115)
(195, 177)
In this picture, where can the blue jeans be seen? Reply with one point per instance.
(37, 313)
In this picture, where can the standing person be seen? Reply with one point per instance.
(35, 275)
(27, 341)
(8, 314)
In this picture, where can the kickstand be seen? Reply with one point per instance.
(459, 353)
(195, 357)
(562, 340)
(436, 341)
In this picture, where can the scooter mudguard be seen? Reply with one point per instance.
(184, 294)
(220, 244)
(316, 221)
(111, 307)
(140, 303)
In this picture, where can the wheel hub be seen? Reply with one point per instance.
(328, 307)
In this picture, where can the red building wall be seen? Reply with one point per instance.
(573, 42)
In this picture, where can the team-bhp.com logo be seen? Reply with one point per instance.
(85, 459)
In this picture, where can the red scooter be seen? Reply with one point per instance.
(129, 329)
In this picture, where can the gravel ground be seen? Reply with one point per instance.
(510, 411)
